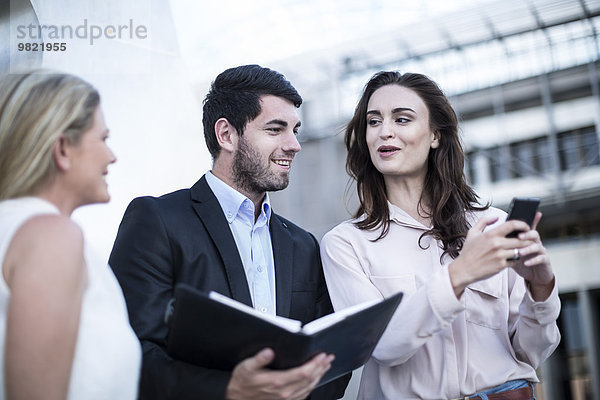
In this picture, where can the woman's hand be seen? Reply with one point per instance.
(534, 263)
(485, 253)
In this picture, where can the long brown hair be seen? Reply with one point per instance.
(445, 183)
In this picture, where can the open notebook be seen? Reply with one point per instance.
(214, 331)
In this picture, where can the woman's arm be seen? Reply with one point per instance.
(45, 270)
(535, 304)
(485, 252)
(423, 311)
(533, 310)
(534, 264)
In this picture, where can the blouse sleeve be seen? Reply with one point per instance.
(532, 325)
(420, 315)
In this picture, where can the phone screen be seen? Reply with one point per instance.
(523, 209)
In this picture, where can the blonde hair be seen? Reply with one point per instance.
(36, 107)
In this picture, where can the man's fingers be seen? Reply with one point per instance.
(324, 363)
(308, 375)
(316, 366)
(294, 383)
(312, 369)
(260, 360)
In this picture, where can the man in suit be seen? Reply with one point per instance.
(221, 235)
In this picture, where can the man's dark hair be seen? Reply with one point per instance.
(235, 96)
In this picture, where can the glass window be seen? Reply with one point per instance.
(568, 151)
(575, 347)
(499, 164)
(589, 146)
(523, 159)
(543, 156)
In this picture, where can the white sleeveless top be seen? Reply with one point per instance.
(107, 358)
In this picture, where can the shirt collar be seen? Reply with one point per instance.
(233, 202)
(401, 217)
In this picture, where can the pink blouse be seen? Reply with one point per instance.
(437, 346)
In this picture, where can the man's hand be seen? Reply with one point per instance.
(252, 380)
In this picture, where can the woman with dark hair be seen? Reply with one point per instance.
(479, 309)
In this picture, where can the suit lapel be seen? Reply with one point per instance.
(211, 215)
(283, 257)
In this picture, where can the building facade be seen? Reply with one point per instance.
(524, 79)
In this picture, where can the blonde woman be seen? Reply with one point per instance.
(64, 328)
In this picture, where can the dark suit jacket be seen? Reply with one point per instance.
(184, 237)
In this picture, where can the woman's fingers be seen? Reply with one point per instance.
(512, 225)
(536, 220)
(483, 223)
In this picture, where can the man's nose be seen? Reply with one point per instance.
(292, 144)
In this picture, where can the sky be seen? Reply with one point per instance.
(233, 32)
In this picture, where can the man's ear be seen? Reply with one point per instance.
(226, 135)
(61, 152)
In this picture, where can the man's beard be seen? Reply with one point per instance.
(250, 175)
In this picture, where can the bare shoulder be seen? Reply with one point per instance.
(48, 231)
(45, 244)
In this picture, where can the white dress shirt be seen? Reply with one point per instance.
(253, 241)
(437, 346)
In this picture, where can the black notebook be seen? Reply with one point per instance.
(217, 332)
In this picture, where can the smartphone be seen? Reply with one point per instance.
(523, 209)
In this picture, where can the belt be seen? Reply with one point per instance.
(524, 393)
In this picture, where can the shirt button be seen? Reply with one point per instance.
(260, 268)
(263, 309)
(229, 214)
